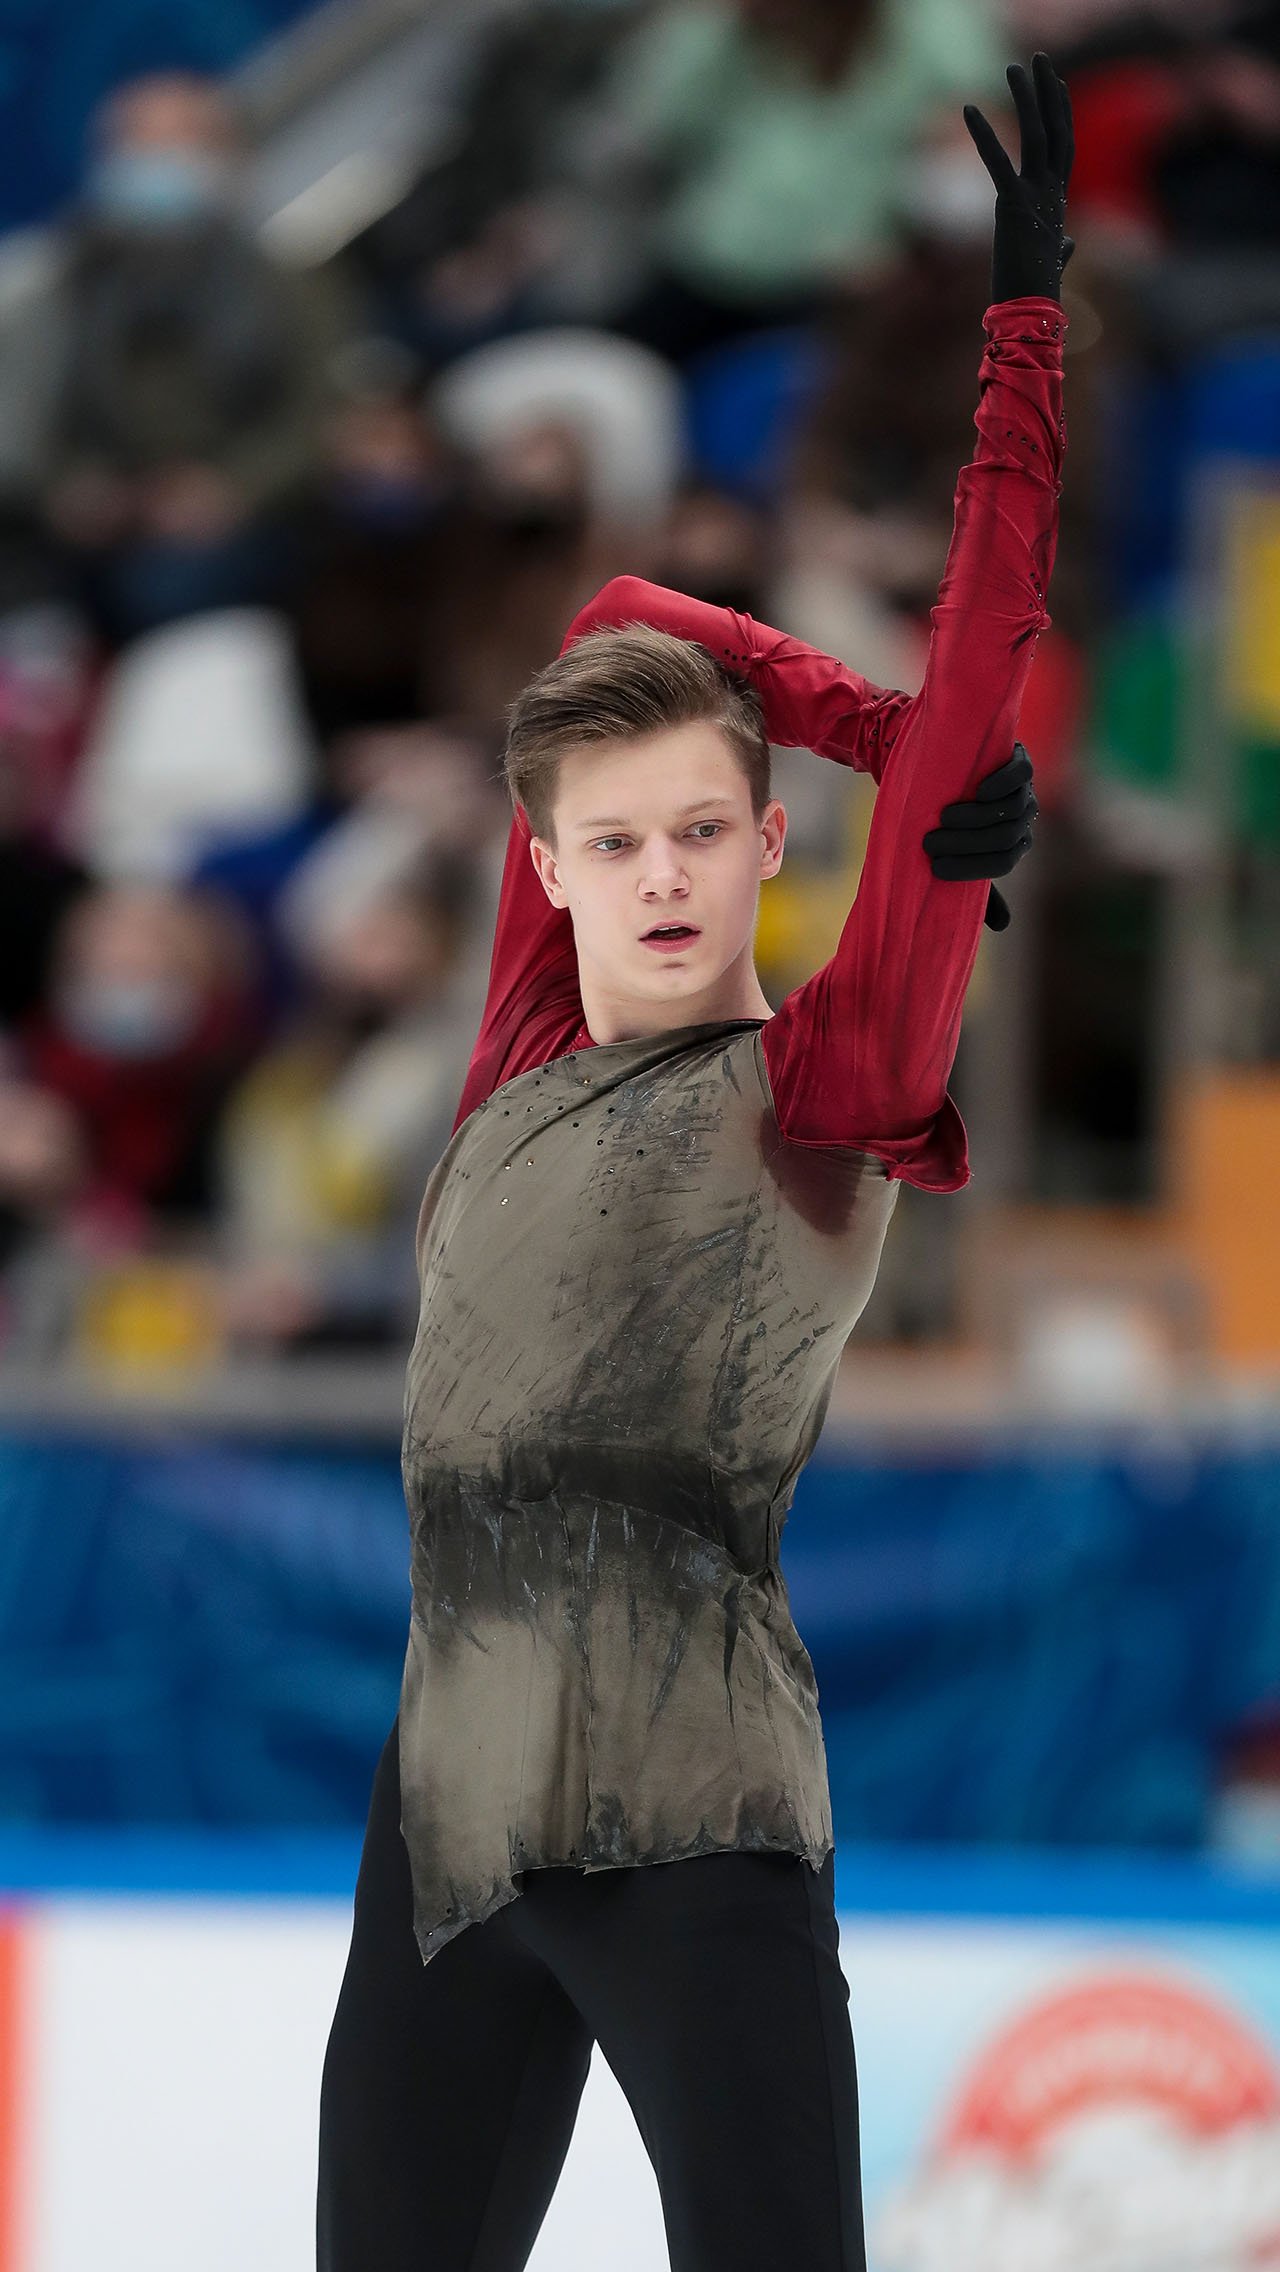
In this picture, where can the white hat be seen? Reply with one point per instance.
(622, 400)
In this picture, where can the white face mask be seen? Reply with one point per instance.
(950, 196)
(158, 189)
(129, 1017)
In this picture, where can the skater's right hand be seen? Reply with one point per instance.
(987, 834)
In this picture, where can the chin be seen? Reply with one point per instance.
(672, 983)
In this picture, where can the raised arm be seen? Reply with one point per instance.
(860, 1055)
(810, 700)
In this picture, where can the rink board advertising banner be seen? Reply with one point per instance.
(1038, 2092)
(201, 1632)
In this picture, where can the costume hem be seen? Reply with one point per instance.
(431, 1938)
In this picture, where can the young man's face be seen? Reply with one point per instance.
(660, 831)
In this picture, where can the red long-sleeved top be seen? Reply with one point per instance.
(860, 1054)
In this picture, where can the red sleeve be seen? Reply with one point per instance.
(810, 700)
(533, 1007)
(861, 1053)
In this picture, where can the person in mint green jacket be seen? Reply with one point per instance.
(776, 138)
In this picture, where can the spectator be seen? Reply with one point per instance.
(38, 881)
(509, 228)
(401, 793)
(442, 551)
(327, 1143)
(1177, 121)
(1217, 171)
(620, 403)
(573, 443)
(716, 547)
(376, 543)
(150, 1015)
(776, 134)
(43, 1168)
(165, 377)
(533, 543)
(199, 734)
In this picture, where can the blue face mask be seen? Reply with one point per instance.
(156, 189)
(387, 500)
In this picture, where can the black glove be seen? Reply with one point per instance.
(987, 836)
(1029, 250)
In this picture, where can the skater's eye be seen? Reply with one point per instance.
(604, 841)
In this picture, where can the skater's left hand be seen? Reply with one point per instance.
(987, 835)
(1030, 248)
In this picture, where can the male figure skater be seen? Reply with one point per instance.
(603, 1813)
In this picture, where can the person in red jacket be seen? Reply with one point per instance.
(603, 1815)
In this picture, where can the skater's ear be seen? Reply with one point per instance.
(546, 862)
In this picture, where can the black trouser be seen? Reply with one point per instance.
(714, 1989)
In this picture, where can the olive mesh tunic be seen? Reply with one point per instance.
(640, 1261)
(635, 1299)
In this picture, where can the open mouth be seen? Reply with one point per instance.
(671, 936)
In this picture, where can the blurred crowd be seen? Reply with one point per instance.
(692, 291)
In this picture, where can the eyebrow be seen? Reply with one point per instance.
(719, 799)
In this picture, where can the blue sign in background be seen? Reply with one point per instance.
(1030, 1648)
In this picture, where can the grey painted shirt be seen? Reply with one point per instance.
(635, 1292)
